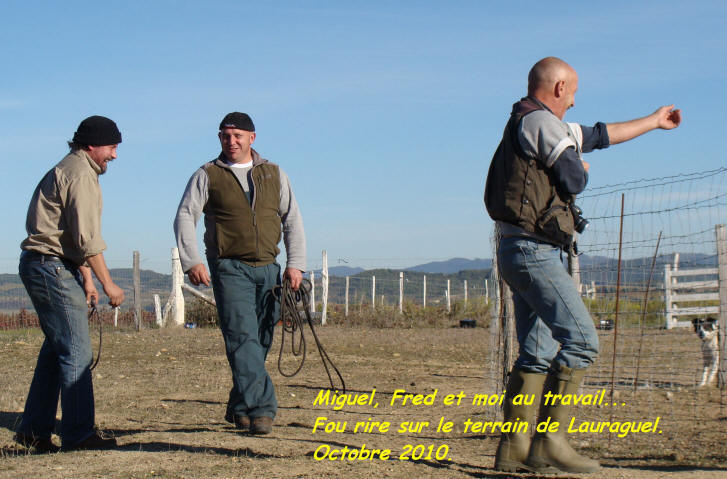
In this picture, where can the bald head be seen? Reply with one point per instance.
(553, 82)
(547, 72)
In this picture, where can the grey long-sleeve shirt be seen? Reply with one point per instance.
(192, 205)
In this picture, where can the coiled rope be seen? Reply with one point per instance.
(91, 315)
(293, 305)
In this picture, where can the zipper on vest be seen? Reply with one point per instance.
(255, 189)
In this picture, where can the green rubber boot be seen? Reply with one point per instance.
(551, 449)
(513, 448)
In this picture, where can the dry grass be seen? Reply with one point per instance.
(162, 393)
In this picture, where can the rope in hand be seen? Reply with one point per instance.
(91, 315)
(291, 303)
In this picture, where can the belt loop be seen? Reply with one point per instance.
(42, 259)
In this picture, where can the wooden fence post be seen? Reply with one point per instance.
(158, 310)
(668, 317)
(449, 300)
(324, 285)
(137, 291)
(721, 233)
(346, 310)
(401, 291)
(373, 293)
(574, 267)
(424, 293)
(312, 293)
(465, 295)
(177, 281)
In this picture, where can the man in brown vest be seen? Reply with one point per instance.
(534, 176)
(248, 204)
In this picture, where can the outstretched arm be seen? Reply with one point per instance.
(665, 118)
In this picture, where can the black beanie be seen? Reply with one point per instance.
(241, 121)
(97, 131)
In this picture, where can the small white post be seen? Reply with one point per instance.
(401, 291)
(158, 310)
(487, 292)
(137, 290)
(465, 295)
(667, 296)
(424, 293)
(324, 284)
(116, 316)
(312, 293)
(177, 281)
(346, 310)
(373, 293)
(449, 300)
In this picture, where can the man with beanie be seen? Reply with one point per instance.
(63, 246)
(534, 176)
(247, 203)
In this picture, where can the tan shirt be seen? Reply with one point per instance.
(64, 216)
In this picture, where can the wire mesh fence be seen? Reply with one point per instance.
(647, 362)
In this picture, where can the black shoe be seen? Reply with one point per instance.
(261, 425)
(40, 444)
(97, 440)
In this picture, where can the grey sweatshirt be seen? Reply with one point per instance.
(195, 198)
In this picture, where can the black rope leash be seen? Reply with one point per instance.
(91, 315)
(292, 304)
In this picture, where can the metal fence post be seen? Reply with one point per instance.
(721, 233)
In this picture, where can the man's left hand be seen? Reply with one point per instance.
(668, 118)
(295, 276)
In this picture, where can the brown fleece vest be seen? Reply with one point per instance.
(250, 233)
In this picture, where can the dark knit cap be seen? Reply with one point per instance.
(241, 121)
(97, 131)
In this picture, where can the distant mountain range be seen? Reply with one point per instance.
(454, 265)
(599, 269)
(450, 266)
(342, 271)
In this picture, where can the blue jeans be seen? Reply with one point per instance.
(552, 323)
(55, 288)
(248, 312)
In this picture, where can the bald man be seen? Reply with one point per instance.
(533, 180)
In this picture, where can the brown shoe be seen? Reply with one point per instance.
(40, 444)
(261, 425)
(97, 440)
(239, 420)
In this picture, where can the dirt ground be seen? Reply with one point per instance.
(162, 394)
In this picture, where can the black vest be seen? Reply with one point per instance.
(519, 189)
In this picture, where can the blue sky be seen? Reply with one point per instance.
(384, 114)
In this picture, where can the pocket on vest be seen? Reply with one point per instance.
(556, 225)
